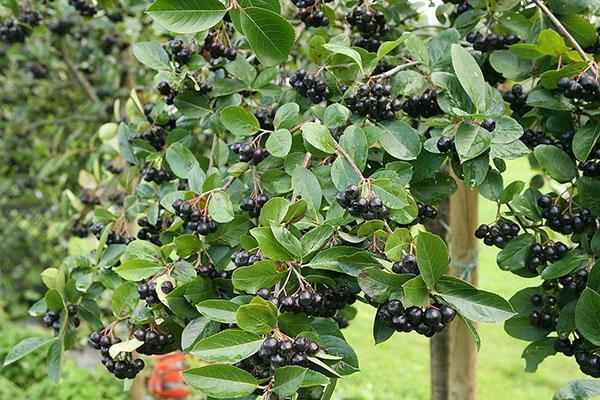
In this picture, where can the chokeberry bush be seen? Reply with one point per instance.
(274, 164)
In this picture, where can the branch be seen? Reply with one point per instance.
(395, 70)
(343, 152)
(566, 33)
(85, 84)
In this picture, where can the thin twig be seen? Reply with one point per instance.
(566, 33)
(395, 70)
(343, 152)
(85, 84)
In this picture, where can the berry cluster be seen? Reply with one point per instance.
(497, 235)
(564, 221)
(167, 90)
(31, 18)
(149, 232)
(309, 85)
(275, 353)
(576, 281)
(78, 228)
(542, 255)
(195, 220)
(112, 238)
(589, 362)
(374, 100)
(265, 119)
(125, 367)
(585, 88)
(429, 321)
(244, 258)
(155, 136)
(209, 270)
(517, 100)
(11, 32)
(425, 212)
(246, 153)
(154, 342)
(110, 167)
(532, 139)
(52, 320)
(38, 70)
(216, 48)
(547, 317)
(323, 303)
(88, 197)
(371, 26)
(147, 292)
(358, 206)
(286, 352)
(408, 265)
(425, 106)
(178, 51)
(85, 8)
(254, 205)
(490, 42)
(156, 175)
(310, 13)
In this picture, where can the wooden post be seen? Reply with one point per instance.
(453, 352)
(138, 389)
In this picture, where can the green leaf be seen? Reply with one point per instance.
(274, 211)
(124, 299)
(585, 140)
(229, 346)
(192, 105)
(181, 160)
(268, 33)
(315, 239)
(221, 381)
(417, 49)
(239, 121)
(346, 51)
(256, 318)
(187, 16)
(270, 246)
(220, 207)
(262, 274)
(286, 116)
(335, 116)
(555, 162)
(587, 315)
(536, 352)
(287, 240)
(470, 76)
(491, 187)
(432, 257)
(415, 291)
(514, 255)
(219, 310)
(574, 260)
(137, 270)
(471, 141)
(589, 193)
(582, 30)
(476, 305)
(400, 140)
(152, 55)
(306, 185)
(279, 143)
(55, 359)
(379, 284)
(578, 390)
(318, 136)
(288, 379)
(198, 329)
(143, 250)
(25, 347)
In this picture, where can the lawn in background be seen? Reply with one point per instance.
(399, 368)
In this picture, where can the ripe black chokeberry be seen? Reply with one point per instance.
(429, 321)
(309, 85)
(408, 265)
(445, 144)
(254, 204)
(196, 220)
(373, 100)
(371, 25)
(497, 235)
(584, 88)
(488, 124)
(247, 153)
(359, 206)
(491, 42)
(425, 106)
(215, 46)
(310, 12)
(517, 100)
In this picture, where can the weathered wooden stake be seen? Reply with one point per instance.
(453, 352)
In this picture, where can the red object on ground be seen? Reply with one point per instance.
(166, 381)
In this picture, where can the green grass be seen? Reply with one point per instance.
(399, 368)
